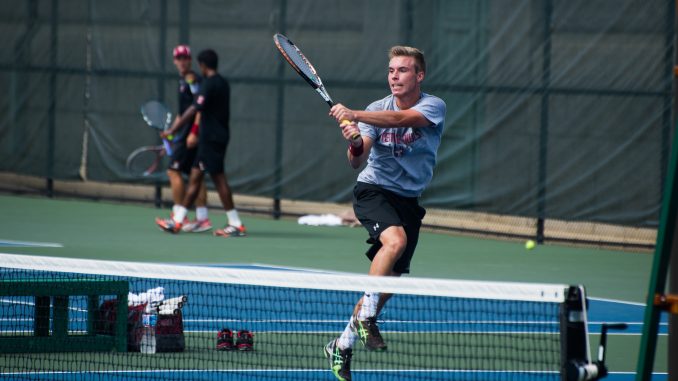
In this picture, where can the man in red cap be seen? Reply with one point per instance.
(184, 143)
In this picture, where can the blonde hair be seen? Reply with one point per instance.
(408, 51)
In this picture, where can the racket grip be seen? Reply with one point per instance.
(355, 136)
(168, 148)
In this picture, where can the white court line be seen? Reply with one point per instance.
(617, 301)
(11, 301)
(10, 243)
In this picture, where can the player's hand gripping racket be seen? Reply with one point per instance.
(157, 116)
(303, 66)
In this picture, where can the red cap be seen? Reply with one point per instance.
(181, 51)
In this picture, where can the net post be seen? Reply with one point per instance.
(666, 248)
(573, 333)
(671, 60)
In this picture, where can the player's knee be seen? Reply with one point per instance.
(171, 173)
(394, 239)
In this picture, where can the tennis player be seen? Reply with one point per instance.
(400, 135)
(183, 155)
(213, 104)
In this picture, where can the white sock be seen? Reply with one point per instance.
(201, 213)
(180, 214)
(347, 338)
(175, 208)
(233, 218)
(369, 307)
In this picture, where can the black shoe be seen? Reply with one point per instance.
(368, 332)
(225, 340)
(340, 360)
(244, 341)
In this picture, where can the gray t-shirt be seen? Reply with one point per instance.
(402, 159)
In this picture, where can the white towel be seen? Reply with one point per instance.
(320, 220)
(150, 297)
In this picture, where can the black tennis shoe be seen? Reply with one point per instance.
(225, 340)
(244, 341)
(340, 360)
(368, 332)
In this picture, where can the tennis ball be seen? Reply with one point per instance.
(530, 244)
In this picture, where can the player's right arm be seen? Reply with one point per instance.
(359, 149)
(180, 121)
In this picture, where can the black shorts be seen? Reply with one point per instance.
(210, 156)
(377, 209)
(182, 158)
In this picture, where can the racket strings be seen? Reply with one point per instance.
(156, 115)
(298, 59)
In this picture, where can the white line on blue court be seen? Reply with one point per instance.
(10, 243)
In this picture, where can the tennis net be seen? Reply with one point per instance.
(435, 329)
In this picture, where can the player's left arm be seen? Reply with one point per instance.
(385, 118)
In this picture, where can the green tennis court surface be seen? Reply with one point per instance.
(123, 232)
(99, 230)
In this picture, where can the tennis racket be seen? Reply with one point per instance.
(157, 116)
(305, 69)
(145, 161)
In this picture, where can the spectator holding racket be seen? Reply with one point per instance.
(213, 103)
(183, 152)
(400, 135)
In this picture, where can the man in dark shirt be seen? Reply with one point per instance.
(213, 104)
(183, 155)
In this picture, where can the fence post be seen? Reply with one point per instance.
(280, 115)
(162, 41)
(51, 111)
(184, 22)
(544, 126)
